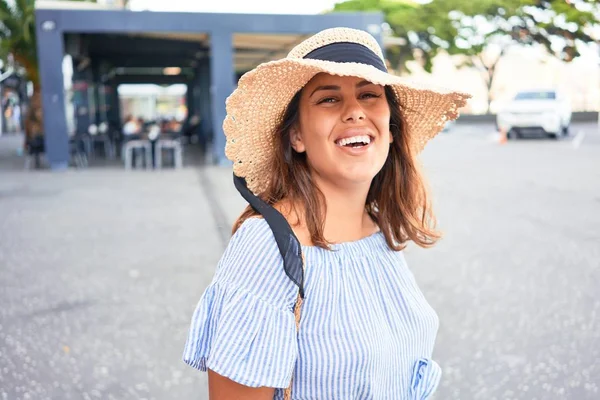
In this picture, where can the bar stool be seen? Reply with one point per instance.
(136, 145)
(168, 144)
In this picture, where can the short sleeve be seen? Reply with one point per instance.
(425, 380)
(243, 327)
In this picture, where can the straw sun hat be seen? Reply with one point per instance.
(256, 107)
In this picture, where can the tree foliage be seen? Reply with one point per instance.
(17, 36)
(18, 43)
(560, 26)
(424, 28)
(18, 48)
(469, 27)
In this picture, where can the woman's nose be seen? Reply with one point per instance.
(353, 111)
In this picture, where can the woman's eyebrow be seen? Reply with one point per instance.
(335, 87)
(326, 87)
(363, 83)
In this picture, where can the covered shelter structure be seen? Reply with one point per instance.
(206, 52)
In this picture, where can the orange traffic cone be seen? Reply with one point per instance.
(503, 136)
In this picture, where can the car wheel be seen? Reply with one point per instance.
(512, 134)
(555, 136)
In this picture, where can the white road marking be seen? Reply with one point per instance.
(578, 139)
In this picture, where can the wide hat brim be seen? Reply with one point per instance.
(255, 109)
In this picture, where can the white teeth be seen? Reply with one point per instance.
(366, 139)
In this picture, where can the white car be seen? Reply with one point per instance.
(546, 112)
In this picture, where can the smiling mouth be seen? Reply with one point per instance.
(355, 141)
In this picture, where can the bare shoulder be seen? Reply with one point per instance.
(293, 217)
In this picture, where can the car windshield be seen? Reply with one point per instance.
(536, 96)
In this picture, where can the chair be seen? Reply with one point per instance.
(189, 130)
(87, 142)
(78, 156)
(116, 138)
(99, 134)
(173, 145)
(135, 146)
(34, 150)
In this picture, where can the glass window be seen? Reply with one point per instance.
(548, 95)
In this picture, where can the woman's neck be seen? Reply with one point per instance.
(346, 218)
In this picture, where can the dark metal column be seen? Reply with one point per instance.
(83, 101)
(203, 102)
(222, 76)
(190, 102)
(50, 53)
(97, 93)
(3, 124)
(113, 112)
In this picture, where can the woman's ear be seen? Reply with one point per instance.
(296, 140)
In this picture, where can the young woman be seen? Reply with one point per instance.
(312, 298)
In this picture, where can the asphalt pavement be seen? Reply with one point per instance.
(100, 270)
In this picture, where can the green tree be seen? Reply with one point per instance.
(562, 27)
(424, 28)
(470, 28)
(18, 46)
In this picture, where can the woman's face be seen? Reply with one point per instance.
(344, 128)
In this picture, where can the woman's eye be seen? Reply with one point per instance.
(327, 100)
(369, 95)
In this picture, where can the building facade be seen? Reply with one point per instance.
(208, 51)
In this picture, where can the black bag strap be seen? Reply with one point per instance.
(287, 242)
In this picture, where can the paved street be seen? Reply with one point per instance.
(100, 270)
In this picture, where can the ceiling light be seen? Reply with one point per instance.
(172, 71)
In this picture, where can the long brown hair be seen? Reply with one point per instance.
(397, 200)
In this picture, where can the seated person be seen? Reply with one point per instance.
(131, 129)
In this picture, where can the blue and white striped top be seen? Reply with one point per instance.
(366, 330)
